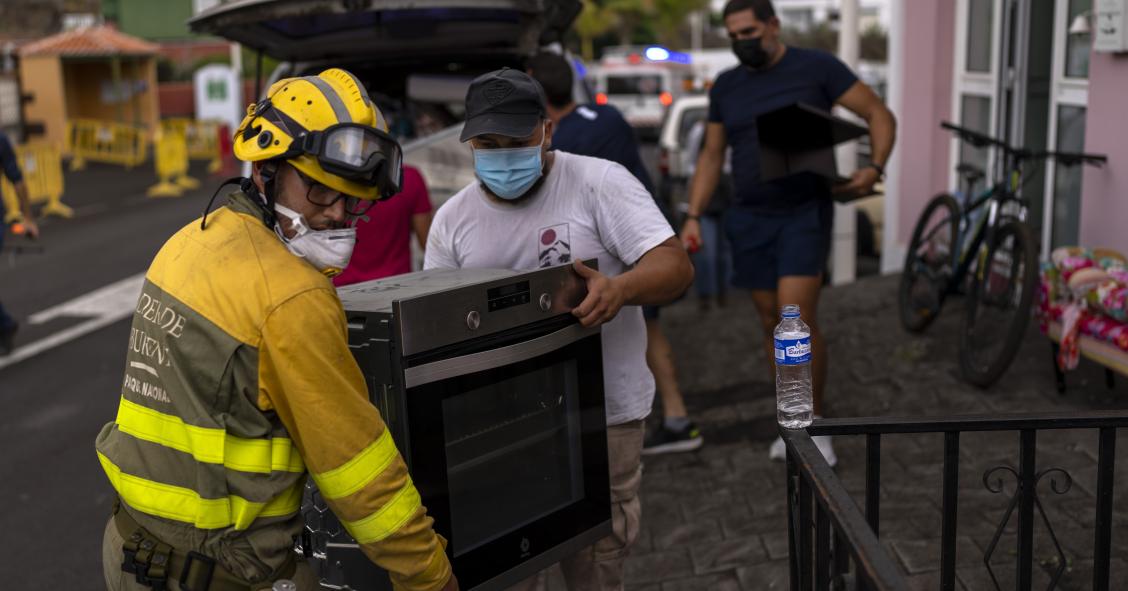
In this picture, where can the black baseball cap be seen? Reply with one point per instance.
(505, 102)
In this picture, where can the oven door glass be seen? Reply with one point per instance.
(513, 444)
(508, 448)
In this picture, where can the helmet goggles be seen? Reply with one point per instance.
(356, 152)
(352, 151)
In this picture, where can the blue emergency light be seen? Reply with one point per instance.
(657, 53)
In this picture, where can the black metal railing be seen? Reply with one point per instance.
(823, 566)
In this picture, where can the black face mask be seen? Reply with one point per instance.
(750, 52)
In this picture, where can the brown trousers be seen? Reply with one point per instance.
(116, 580)
(599, 567)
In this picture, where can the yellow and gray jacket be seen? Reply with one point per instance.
(238, 381)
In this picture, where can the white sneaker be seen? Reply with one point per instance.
(778, 451)
(823, 443)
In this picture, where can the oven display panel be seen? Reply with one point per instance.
(508, 296)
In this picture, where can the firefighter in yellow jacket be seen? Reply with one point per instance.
(239, 380)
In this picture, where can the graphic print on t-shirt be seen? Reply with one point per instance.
(554, 246)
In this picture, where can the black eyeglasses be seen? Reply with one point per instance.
(323, 196)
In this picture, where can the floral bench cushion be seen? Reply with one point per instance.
(1097, 281)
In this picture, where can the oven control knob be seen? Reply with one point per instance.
(545, 302)
(473, 320)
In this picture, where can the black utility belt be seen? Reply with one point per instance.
(154, 563)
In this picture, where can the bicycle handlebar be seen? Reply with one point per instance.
(1073, 158)
(981, 140)
(972, 137)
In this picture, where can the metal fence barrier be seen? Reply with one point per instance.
(810, 477)
(202, 138)
(105, 141)
(171, 162)
(42, 170)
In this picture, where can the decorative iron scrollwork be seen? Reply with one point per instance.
(993, 481)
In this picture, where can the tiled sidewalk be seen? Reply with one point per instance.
(716, 518)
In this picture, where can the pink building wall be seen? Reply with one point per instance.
(929, 50)
(1104, 197)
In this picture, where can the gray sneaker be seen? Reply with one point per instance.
(664, 440)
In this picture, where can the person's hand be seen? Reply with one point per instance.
(691, 235)
(860, 184)
(604, 299)
(31, 229)
(451, 584)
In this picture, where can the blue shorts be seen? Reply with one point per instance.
(767, 245)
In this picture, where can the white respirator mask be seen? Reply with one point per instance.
(328, 251)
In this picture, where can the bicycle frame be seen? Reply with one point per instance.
(984, 231)
(1002, 192)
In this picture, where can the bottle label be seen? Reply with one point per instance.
(793, 351)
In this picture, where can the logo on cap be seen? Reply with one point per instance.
(497, 90)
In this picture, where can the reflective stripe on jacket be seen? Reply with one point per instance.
(238, 382)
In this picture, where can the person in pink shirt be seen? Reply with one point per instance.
(383, 239)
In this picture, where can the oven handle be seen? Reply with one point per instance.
(484, 360)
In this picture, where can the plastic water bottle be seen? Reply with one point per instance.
(794, 398)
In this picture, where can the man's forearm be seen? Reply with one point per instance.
(704, 183)
(23, 199)
(660, 276)
(882, 131)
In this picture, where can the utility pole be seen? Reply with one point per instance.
(696, 24)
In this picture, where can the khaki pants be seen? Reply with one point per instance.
(599, 567)
(116, 580)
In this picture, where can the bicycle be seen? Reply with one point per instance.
(994, 253)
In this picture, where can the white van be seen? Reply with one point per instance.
(641, 89)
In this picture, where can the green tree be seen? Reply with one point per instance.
(594, 21)
(873, 42)
(670, 18)
(629, 16)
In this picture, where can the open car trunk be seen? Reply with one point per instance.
(415, 57)
(388, 30)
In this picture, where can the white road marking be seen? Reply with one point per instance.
(103, 306)
(145, 368)
(113, 299)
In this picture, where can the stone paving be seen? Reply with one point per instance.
(716, 518)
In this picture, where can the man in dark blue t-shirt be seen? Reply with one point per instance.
(601, 132)
(780, 230)
(588, 130)
(11, 169)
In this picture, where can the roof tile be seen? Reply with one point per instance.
(90, 41)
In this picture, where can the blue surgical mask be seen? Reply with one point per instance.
(509, 172)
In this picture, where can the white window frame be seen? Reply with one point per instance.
(980, 84)
(1064, 91)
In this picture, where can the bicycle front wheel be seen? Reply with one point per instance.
(998, 304)
(929, 263)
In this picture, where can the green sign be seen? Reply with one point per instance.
(217, 90)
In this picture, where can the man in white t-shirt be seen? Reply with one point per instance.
(536, 208)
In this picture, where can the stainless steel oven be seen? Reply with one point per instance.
(494, 395)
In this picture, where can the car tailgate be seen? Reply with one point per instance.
(387, 29)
